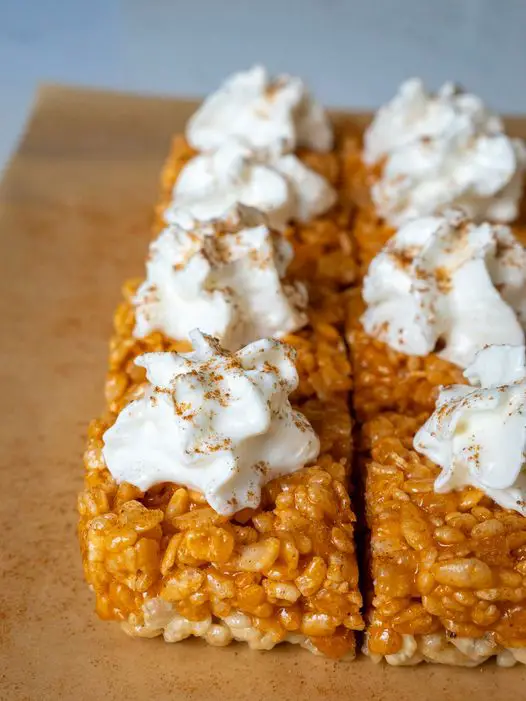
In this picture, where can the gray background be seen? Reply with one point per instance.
(353, 53)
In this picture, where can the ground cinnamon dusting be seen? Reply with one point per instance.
(443, 280)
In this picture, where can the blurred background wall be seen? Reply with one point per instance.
(353, 53)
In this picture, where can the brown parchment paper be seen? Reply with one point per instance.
(75, 209)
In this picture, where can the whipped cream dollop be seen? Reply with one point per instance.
(443, 150)
(477, 434)
(214, 421)
(274, 116)
(280, 186)
(447, 279)
(225, 277)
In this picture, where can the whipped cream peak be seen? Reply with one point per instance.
(477, 434)
(444, 278)
(226, 276)
(271, 116)
(495, 366)
(282, 186)
(214, 421)
(440, 150)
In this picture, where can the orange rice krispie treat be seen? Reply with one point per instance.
(229, 279)
(446, 509)
(267, 144)
(424, 152)
(440, 290)
(239, 526)
(323, 248)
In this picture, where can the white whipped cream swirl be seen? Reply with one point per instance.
(477, 434)
(225, 277)
(282, 186)
(213, 421)
(273, 116)
(447, 279)
(443, 150)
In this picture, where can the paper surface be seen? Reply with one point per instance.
(75, 209)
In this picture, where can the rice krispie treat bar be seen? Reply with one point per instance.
(446, 508)
(244, 293)
(424, 152)
(323, 247)
(239, 142)
(441, 289)
(261, 553)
